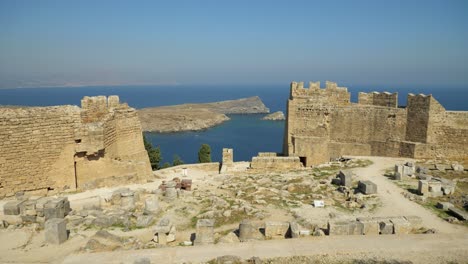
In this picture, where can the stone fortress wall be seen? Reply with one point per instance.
(67, 147)
(322, 124)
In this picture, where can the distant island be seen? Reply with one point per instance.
(276, 116)
(195, 117)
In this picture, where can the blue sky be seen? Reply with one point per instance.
(66, 43)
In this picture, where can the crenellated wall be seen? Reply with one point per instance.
(322, 124)
(67, 147)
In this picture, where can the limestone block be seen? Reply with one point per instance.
(164, 226)
(128, 203)
(386, 227)
(448, 189)
(444, 205)
(249, 230)
(458, 213)
(340, 228)
(144, 220)
(170, 194)
(435, 186)
(401, 225)
(367, 187)
(408, 171)
(55, 231)
(426, 177)
(12, 219)
(414, 220)
(294, 229)
(171, 236)
(457, 167)
(12, 207)
(162, 238)
(370, 226)
(397, 176)
(423, 187)
(28, 218)
(152, 205)
(275, 229)
(346, 178)
(205, 232)
(30, 206)
(399, 169)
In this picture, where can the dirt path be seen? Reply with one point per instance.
(417, 248)
(393, 202)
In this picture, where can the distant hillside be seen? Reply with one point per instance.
(193, 117)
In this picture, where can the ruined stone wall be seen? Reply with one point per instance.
(37, 146)
(319, 127)
(275, 163)
(67, 147)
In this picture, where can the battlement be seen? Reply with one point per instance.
(331, 94)
(95, 108)
(385, 99)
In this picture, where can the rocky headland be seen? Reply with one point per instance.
(276, 116)
(194, 117)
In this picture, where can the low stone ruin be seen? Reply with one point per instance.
(344, 178)
(56, 231)
(172, 189)
(435, 187)
(35, 210)
(205, 232)
(164, 232)
(367, 187)
(374, 226)
(404, 170)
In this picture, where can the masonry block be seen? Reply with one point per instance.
(55, 231)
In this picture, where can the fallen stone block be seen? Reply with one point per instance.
(346, 178)
(423, 187)
(444, 205)
(205, 232)
(276, 229)
(294, 229)
(340, 228)
(249, 230)
(386, 227)
(55, 231)
(401, 225)
(152, 205)
(367, 187)
(370, 225)
(12, 219)
(12, 207)
(458, 213)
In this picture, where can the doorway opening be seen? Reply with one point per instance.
(303, 160)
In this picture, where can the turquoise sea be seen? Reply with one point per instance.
(247, 134)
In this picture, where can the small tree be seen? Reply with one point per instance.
(154, 154)
(204, 154)
(177, 161)
(166, 165)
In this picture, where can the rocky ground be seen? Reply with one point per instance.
(120, 228)
(192, 117)
(276, 116)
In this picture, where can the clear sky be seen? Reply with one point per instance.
(60, 43)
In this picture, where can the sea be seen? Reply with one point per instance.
(246, 134)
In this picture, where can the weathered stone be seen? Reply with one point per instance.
(435, 186)
(27, 219)
(397, 176)
(55, 231)
(276, 229)
(103, 241)
(205, 232)
(294, 229)
(144, 220)
(370, 225)
(444, 205)
(128, 203)
(12, 207)
(142, 261)
(386, 227)
(346, 178)
(152, 205)
(401, 225)
(457, 167)
(423, 187)
(339, 228)
(367, 187)
(249, 230)
(458, 213)
(228, 259)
